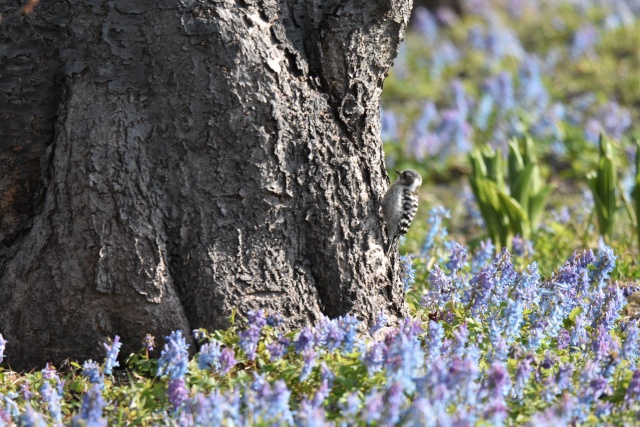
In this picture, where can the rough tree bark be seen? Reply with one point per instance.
(163, 161)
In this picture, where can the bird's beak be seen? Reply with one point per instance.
(398, 172)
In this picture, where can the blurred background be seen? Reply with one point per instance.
(476, 79)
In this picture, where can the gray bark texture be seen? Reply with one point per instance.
(164, 161)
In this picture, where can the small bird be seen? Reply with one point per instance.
(400, 203)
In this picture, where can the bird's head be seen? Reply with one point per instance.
(410, 179)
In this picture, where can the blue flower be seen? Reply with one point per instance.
(249, 339)
(53, 400)
(437, 232)
(256, 317)
(209, 356)
(112, 355)
(227, 360)
(381, 322)
(3, 344)
(174, 358)
(275, 319)
(407, 272)
(349, 325)
(31, 418)
(91, 370)
(630, 348)
(92, 406)
(305, 340)
(309, 357)
(330, 334)
(374, 357)
(278, 348)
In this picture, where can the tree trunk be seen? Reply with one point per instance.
(164, 161)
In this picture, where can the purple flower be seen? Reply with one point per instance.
(330, 335)
(305, 340)
(249, 339)
(49, 372)
(601, 342)
(112, 355)
(149, 342)
(177, 392)
(373, 407)
(25, 391)
(174, 358)
(374, 358)
(278, 348)
(227, 360)
(523, 373)
(497, 383)
(394, 398)
(578, 333)
(256, 317)
(633, 390)
(309, 415)
(440, 290)
(563, 339)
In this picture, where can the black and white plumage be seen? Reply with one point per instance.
(400, 204)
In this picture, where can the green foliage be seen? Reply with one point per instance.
(515, 211)
(636, 192)
(603, 183)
